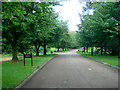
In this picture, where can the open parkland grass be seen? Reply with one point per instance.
(14, 73)
(19, 54)
(104, 58)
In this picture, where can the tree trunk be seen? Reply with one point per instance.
(14, 52)
(101, 50)
(63, 49)
(87, 49)
(37, 51)
(37, 48)
(44, 46)
(84, 48)
(45, 50)
(58, 49)
(91, 51)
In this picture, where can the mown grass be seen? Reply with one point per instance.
(9, 55)
(104, 58)
(14, 73)
(48, 52)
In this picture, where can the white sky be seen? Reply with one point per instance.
(69, 11)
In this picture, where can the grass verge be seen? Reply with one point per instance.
(105, 58)
(14, 73)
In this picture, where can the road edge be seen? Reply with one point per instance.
(110, 65)
(31, 75)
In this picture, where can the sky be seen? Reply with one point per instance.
(69, 11)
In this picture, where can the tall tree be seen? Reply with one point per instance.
(101, 27)
(62, 38)
(15, 18)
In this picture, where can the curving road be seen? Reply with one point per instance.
(71, 70)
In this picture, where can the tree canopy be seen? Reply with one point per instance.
(101, 28)
(28, 24)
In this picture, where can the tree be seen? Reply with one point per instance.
(62, 38)
(101, 27)
(30, 24)
(15, 19)
(48, 26)
(73, 39)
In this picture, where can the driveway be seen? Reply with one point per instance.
(71, 70)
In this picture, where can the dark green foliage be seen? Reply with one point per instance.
(62, 38)
(101, 28)
(21, 21)
(28, 24)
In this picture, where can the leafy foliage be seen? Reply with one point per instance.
(101, 28)
(28, 24)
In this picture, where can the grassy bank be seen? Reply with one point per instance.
(14, 73)
(105, 58)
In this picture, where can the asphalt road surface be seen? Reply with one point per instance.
(71, 70)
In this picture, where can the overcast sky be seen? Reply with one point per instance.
(69, 11)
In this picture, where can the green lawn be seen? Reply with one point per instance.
(14, 73)
(8, 55)
(53, 49)
(105, 58)
(49, 52)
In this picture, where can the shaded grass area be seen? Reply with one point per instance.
(9, 55)
(48, 52)
(14, 73)
(105, 58)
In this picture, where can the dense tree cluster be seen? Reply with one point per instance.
(102, 28)
(31, 24)
(62, 39)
